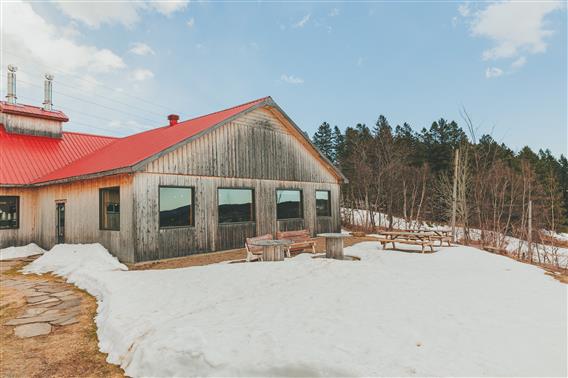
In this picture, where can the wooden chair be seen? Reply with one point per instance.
(254, 252)
(301, 240)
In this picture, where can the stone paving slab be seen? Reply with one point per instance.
(63, 293)
(37, 299)
(34, 319)
(48, 303)
(32, 330)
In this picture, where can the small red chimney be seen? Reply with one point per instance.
(173, 118)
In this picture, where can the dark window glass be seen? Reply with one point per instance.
(288, 204)
(236, 205)
(323, 203)
(176, 207)
(9, 212)
(109, 208)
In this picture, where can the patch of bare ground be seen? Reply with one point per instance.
(232, 255)
(68, 351)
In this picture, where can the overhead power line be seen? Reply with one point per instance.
(91, 82)
(100, 105)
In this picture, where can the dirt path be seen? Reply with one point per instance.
(47, 327)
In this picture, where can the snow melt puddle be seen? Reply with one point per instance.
(459, 311)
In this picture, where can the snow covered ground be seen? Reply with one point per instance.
(17, 252)
(556, 256)
(458, 312)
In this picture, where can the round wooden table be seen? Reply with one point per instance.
(334, 244)
(273, 250)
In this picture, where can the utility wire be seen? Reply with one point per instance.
(97, 104)
(154, 114)
(135, 128)
(78, 77)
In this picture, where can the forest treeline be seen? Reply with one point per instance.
(409, 174)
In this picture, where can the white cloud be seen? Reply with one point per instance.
(519, 62)
(302, 22)
(291, 79)
(514, 27)
(493, 72)
(190, 22)
(169, 7)
(142, 49)
(334, 12)
(127, 13)
(464, 10)
(26, 34)
(141, 74)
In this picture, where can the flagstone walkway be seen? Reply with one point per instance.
(48, 304)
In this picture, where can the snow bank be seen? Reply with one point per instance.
(459, 311)
(17, 252)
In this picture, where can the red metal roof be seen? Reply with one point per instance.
(25, 158)
(31, 160)
(33, 111)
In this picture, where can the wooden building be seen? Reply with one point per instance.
(189, 187)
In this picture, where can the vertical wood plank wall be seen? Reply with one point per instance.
(208, 235)
(254, 151)
(37, 207)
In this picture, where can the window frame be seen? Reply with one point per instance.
(301, 203)
(192, 215)
(328, 203)
(253, 220)
(101, 190)
(17, 226)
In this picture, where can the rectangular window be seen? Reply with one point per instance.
(236, 205)
(288, 204)
(9, 212)
(109, 208)
(176, 206)
(323, 203)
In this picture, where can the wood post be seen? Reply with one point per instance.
(334, 248)
(455, 194)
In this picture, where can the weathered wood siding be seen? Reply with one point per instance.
(208, 235)
(28, 230)
(37, 207)
(256, 145)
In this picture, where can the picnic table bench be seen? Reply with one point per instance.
(422, 239)
(439, 235)
(301, 240)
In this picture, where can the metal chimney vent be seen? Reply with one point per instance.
(47, 93)
(11, 90)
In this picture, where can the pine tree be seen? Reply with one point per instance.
(323, 140)
(338, 145)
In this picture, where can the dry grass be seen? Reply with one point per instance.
(216, 257)
(70, 351)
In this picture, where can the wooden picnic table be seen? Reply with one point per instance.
(407, 237)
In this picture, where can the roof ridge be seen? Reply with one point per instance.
(89, 134)
(224, 110)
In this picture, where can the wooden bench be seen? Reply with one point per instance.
(301, 240)
(422, 243)
(254, 252)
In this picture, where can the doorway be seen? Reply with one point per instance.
(60, 222)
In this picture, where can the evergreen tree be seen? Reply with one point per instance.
(338, 145)
(323, 140)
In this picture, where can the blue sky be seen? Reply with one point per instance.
(122, 67)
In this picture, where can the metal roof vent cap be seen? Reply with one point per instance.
(11, 81)
(173, 118)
